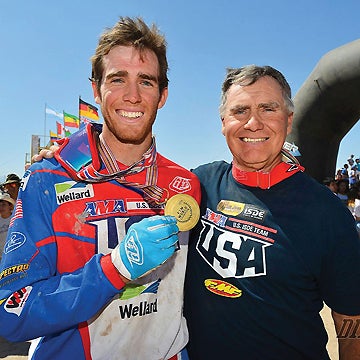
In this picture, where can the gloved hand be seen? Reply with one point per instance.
(147, 244)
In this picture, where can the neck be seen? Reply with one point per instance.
(260, 167)
(126, 153)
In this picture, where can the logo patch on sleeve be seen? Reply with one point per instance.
(16, 302)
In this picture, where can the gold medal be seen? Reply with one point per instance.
(185, 209)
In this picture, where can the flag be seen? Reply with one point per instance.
(53, 112)
(67, 132)
(54, 137)
(71, 120)
(59, 129)
(87, 111)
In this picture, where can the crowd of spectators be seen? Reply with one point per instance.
(346, 185)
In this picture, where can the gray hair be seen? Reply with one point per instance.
(248, 75)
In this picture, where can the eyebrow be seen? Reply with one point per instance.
(123, 73)
(272, 104)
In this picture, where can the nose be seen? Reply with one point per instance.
(132, 94)
(254, 123)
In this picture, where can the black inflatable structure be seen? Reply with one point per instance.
(326, 107)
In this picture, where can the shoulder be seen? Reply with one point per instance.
(215, 168)
(171, 167)
(42, 173)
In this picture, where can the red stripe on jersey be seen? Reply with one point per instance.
(85, 338)
(46, 241)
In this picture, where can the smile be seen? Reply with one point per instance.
(251, 140)
(131, 114)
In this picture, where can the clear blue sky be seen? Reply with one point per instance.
(46, 46)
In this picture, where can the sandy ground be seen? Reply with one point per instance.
(18, 351)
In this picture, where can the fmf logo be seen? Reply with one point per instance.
(71, 190)
(222, 288)
(180, 184)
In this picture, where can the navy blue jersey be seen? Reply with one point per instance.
(260, 264)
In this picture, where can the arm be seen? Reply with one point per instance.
(36, 298)
(348, 333)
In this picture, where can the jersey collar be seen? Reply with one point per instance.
(265, 180)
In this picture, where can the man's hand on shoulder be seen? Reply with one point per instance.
(45, 154)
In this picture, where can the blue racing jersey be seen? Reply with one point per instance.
(57, 281)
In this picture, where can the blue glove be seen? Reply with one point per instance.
(147, 244)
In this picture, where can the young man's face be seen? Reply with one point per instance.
(255, 124)
(129, 94)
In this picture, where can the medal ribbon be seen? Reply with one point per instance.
(111, 171)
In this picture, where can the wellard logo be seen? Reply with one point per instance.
(72, 190)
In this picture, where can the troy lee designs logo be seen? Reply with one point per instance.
(180, 184)
(231, 254)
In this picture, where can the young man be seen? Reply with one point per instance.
(93, 219)
(272, 243)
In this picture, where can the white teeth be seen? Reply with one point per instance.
(253, 140)
(131, 114)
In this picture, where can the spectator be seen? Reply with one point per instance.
(12, 185)
(351, 160)
(343, 191)
(331, 184)
(352, 176)
(345, 171)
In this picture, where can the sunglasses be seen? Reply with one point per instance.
(79, 150)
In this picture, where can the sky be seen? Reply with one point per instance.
(46, 48)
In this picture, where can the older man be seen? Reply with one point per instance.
(272, 243)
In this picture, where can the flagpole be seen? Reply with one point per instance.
(44, 125)
(79, 110)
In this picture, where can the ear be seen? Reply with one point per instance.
(97, 96)
(289, 124)
(222, 126)
(163, 98)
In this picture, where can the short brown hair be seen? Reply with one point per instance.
(131, 32)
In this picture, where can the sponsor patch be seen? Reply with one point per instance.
(132, 290)
(180, 184)
(222, 288)
(16, 302)
(25, 180)
(229, 207)
(14, 270)
(15, 240)
(72, 191)
(142, 205)
(234, 208)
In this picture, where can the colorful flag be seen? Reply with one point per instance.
(67, 132)
(71, 120)
(53, 112)
(59, 129)
(87, 111)
(54, 137)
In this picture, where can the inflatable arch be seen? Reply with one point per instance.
(326, 107)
